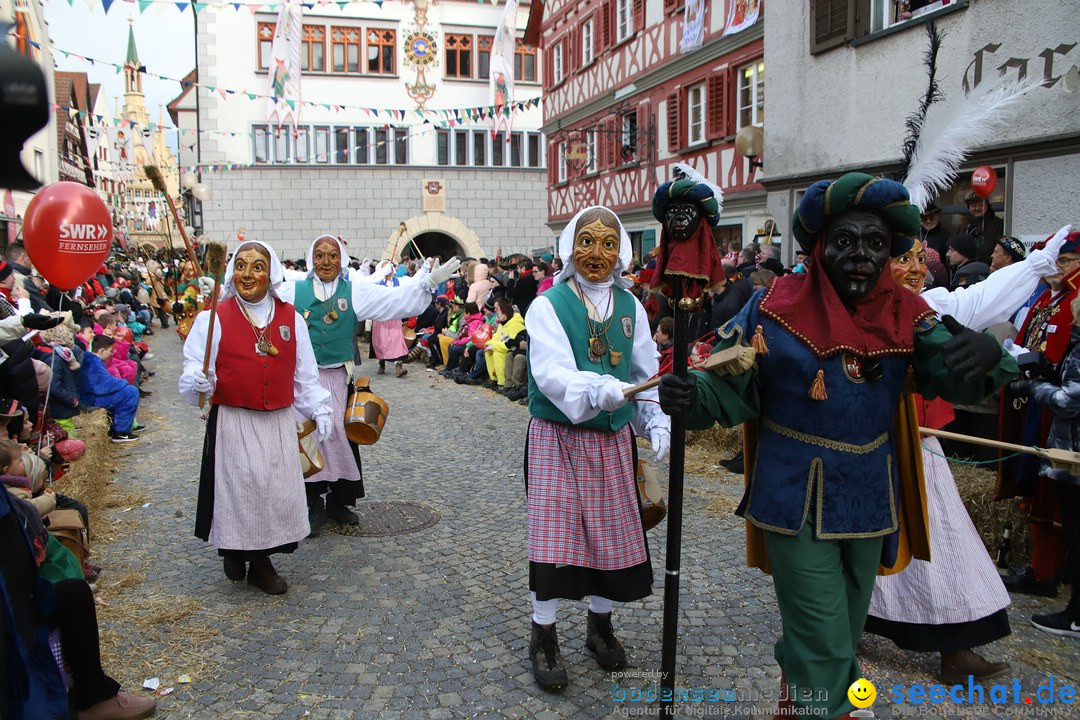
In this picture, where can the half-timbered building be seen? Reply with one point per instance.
(626, 96)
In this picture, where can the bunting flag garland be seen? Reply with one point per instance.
(443, 115)
(254, 7)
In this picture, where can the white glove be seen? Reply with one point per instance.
(1045, 260)
(607, 394)
(1014, 349)
(206, 286)
(202, 383)
(325, 427)
(443, 272)
(660, 439)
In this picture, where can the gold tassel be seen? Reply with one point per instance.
(758, 341)
(817, 388)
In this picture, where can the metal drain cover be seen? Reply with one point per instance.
(396, 517)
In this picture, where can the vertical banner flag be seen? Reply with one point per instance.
(284, 71)
(93, 138)
(502, 69)
(122, 145)
(741, 15)
(145, 136)
(693, 34)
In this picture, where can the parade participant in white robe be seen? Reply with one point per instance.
(589, 339)
(332, 304)
(251, 489)
(956, 601)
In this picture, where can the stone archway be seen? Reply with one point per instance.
(435, 223)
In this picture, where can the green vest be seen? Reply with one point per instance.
(620, 337)
(334, 342)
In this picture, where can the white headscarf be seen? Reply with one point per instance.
(277, 270)
(341, 251)
(566, 250)
(365, 267)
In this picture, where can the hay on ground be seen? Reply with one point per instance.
(976, 487)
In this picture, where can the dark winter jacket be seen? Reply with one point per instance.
(95, 380)
(1062, 399)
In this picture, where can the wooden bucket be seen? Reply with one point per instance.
(311, 459)
(650, 495)
(365, 414)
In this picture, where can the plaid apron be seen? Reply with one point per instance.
(583, 504)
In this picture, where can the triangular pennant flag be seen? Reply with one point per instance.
(222, 92)
(143, 4)
(182, 6)
(341, 5)
(291, 103)
(106, 4)
(199, 6)
(378, 2)
(236, 6)
(252, 96)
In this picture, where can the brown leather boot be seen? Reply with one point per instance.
(547, 663)
(399, 370)
(262, 575)
(600, 638)
(382, 367)
(957, 665)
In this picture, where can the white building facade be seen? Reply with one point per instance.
(847, 73)
(351, 169)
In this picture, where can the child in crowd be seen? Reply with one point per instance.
(119, 365)
(98, 387)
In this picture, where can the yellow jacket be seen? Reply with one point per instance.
(509, 329)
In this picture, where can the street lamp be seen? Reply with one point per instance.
(750, 142)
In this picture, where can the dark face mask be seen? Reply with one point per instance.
(857, 248)
(682, 219)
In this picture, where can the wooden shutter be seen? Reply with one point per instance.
(671, 6)
(639, 15)
(645, 141)
(674, 141)
(574, 40)
(607, 27)
(613, 148)
(831, 23)
(717, 103)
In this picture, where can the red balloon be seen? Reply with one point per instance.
(481, 335)
(240, 236)
(68, 233)
(983, 181)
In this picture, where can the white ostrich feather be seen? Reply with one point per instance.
(952, 129)
(692, 174)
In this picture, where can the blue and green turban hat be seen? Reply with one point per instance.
(687, 190)
(856, 191)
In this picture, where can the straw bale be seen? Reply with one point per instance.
(976, 487)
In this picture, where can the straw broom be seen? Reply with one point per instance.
(215, 265)
(153, 174)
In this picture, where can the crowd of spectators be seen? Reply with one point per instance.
(62, 354)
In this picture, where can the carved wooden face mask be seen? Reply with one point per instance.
(326, 257)
(596, 251)
(909, 270)
(251, 274)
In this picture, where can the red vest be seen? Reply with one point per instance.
(245, 378)
(1049, 323)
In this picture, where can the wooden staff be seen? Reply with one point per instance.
(1064, 459)
(215, 264)
(153, 174)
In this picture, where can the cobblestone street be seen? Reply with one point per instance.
(434, 623)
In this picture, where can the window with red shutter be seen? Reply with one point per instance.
(614, 136)
(716, 99)
(642, 137)
(673, 125)
(607, 27)
(575, 43)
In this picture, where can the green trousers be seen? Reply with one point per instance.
(823, 588)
